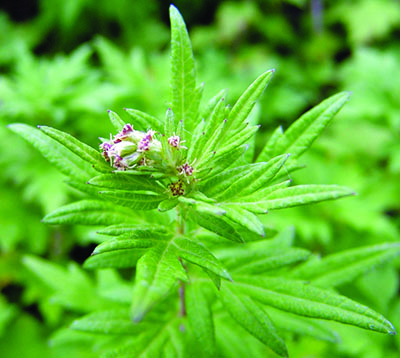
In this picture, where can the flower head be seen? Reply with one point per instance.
(175, 141)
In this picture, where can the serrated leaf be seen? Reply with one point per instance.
(215, 224)
(183, 75)
(305, 300)
(302, 133)
(247, 100)
(65, 161)
(302, 326)
(90, 212)
(116, 121)
(124, 244)
(133, 200)
(82, 150)
(197, 254)
(337, 269)
(110, 322)
(225, 161)
(252, 318)
(168, 204)
(125, 181)
(295, 196)
(253, 177)
(157, 273)
(269, 148)
(199, 315)
(133, 230)
(247, 220)
(145, 120)
(115, 259)
(281, 259)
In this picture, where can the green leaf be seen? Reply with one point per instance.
(281, 259)
(197, 254)
(252, 318)
(138, 231)
(168, 204)
(247, 100)
(199, 315)
(133, 200)
(302, 133)
(269, 148)
(90, 212)
(116, 121)
(157, 273)
(296, 195)
(183, 75)
(215, 224)
(305, 300)
(110, 322)
(65, 161)
(245, 219)
(115, 259)
(254, 177)
(302, 326)
(343, 267)
(82, 150)
(145, 121)
(225, 161)
(124, 244)
(126, 181)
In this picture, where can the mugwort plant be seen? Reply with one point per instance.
(181, 200)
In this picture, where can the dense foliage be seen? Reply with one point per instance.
(72, 91)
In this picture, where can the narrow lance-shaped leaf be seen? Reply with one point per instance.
(196, 253)
(116, 121)
(252, 318)
(269, 148)
(302, 133)
(110, 322)
(183, 76)
(247, 100)
(143, 120)
(199, 314)
(157, 273)
(343, 267)
(82, 150)
(297, 195)
(90, 212)
(303, 299)
(65, 161)
(302, 325)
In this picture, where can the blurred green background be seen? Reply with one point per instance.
(64, 63)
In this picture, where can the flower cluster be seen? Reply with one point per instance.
(175, 141)
(130, 148)
(176, 188)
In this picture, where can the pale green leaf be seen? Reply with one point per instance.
(157, 273)
(65, 161)
(252, 318)
(247, 100)
(183, 75)
(199, 315)
(110, 322)
(116, 121)
(144, 121)
(196, 253)
(82, 150)
(302, 133)
(269, 148)
(305, 300)
(343, 267)
(302, 326)
(90, 212)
